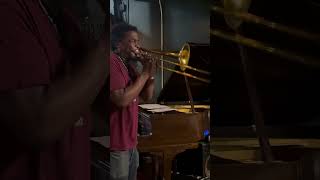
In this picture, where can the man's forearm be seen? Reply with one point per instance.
(148, 90)
(39, 115)
(100, 112)
(122, 99)
(69, 97)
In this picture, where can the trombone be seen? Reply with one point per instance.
(234, 16)
(183, 57)
(234, 12)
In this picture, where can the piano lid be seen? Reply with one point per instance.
(289, 92)
(175, 92)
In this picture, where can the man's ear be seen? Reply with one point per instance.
(118, 45)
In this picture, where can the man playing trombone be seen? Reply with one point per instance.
(127, 87)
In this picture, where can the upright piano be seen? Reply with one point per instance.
(176, 131)
(288, 94)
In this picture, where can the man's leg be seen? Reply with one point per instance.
(134, 164)
(119, 162)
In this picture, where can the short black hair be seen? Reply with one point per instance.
(114, 20)
(118, 32)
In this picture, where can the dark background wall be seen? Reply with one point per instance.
(289, 91)
(185, 21)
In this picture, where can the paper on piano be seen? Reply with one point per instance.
(153, 106)
(161, 110)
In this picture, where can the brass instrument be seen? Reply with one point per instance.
(235, 12)
(183, 57)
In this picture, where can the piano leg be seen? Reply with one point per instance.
(167, 158)
(157, 164)
(167, 164)
(164, 156)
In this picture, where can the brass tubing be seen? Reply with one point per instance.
(273, 25)
(183, 57)
(187, 74)
(185, 66)
(264, 47)
(172, 54)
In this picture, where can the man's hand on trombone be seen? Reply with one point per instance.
(149, 69)
(149, 63)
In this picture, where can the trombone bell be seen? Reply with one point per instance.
(183, 57)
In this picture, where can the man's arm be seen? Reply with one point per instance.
(148, 91)
(40, 115)
(142, 85)
(123, 97)
(100, 112)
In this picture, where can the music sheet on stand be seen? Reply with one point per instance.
(156, 108)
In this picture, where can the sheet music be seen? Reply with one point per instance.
(156, 108)
(161, 110)
(153, 106)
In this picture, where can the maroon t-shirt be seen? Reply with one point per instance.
(123, 121)
(31, 55)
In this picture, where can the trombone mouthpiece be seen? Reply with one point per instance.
(142, 49)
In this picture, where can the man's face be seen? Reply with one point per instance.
(129, 45)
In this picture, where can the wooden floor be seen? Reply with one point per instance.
(245, 148)
(253, 142)
(295, 159)
(145, 172)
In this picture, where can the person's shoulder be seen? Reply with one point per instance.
(18, 18)
(7, 2)
(115, 63)
(18, 11)
(15, 4)
(113, 58)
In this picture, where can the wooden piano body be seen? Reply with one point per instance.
(288, 92)
(168, 129)
(174, 132)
